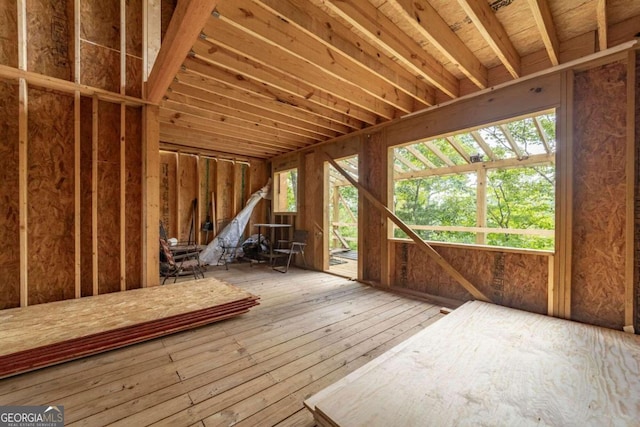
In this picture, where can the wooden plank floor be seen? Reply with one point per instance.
(310, 330)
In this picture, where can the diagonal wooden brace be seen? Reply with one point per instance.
(424, 246)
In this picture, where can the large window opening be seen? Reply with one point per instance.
(493, 185)
(286, 191)
(342, 216)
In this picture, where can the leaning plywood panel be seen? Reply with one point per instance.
(50, 195)
(489, 365)
(9, 207)
(133, 194)
(50, 37)
(108, 197)
(517, 280)
(8, 33)
(86, 199)
(599, 196)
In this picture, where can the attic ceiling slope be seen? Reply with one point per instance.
(267, 77)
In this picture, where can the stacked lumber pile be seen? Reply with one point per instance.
(484, 364)
(42, 335)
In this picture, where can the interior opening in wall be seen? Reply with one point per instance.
(343, 219)
(285, 191)
(490, 185)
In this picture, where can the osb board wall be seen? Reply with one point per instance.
(168, 174)
(108, 176)
(636, 275)
(50, 37)
(224, 192)
(188, 192)
(134, 26)
(133, 196)
(599, 145)
(370, 175)
(50, 195)
(86, 198)
(258, 177)
(8, 33)
(511, 279)
(9, 208)
(313, 200)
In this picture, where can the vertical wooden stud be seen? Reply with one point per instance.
(630, 194)
(151, 15)
(94, 193)
(77, 195)
(551, 292)
(76, 41)
(151, 195)
(123, 199)
(23, 135)
(481, 204)
(386, 253)
(177, 207)
(198, 224)
(123, 46)
(326, 235)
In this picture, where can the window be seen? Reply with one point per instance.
(492, 185)
(286, 191)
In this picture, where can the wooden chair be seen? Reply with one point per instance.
(296, 246)
(174, 265)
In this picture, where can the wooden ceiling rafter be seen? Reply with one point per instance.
(334, 35)
(486, 22)
(246, 83)
(306, 52)
(217, 55)
(435, 150)
(200, 139)
(459, 148)
(512, 142)
(483, 145)
(544, 21)
(377, 29)
(243, 43)
(542, 134)
(420, 157)
(189, 93)
(406, 161)
(426, 20)
(601, 20)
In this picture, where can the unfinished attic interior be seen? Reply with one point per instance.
(320, 212)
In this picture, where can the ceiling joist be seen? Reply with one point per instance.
(546, 27)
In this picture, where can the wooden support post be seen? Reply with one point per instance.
(77, 196)
(386, 232)
(23, 135)
(151, 196)
(123, 199)
(94, 194)
(199, 197)
(336, 214)
(481, 204)
(424, 246)
(177, 207)
(326, 235)
(630, 172)
(123, 46)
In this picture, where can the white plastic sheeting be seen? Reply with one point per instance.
(230, 236)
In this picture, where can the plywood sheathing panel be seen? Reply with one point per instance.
(187, 180)
(259, 176)
(100, 22)
(8, 33)
(50, 187)
(636, 275)
(370, 170)
(168, 193)
(134, 27)
(108, 176)
(598, 257)
(100, 67)
(9, 207)
(224, 191)
(86, 200)
(134, 76)
(510, 279)
(133, 194)
(50, 37)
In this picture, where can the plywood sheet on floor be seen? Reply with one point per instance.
(310, 330)
(486, 364)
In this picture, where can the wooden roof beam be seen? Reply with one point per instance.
(318, 18)
(483, 145)
(426, 20)
(459, 148)
(186, 23)
(405, 161)
(512, 141)
(431, 146)
(419, 156)
(306, 53)
(378, 30)
(601, 19)
(484, 18)
(544, 21)
(542, 134)
(244, 44)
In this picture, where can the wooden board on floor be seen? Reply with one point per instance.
(490, 365)
(39, 335)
